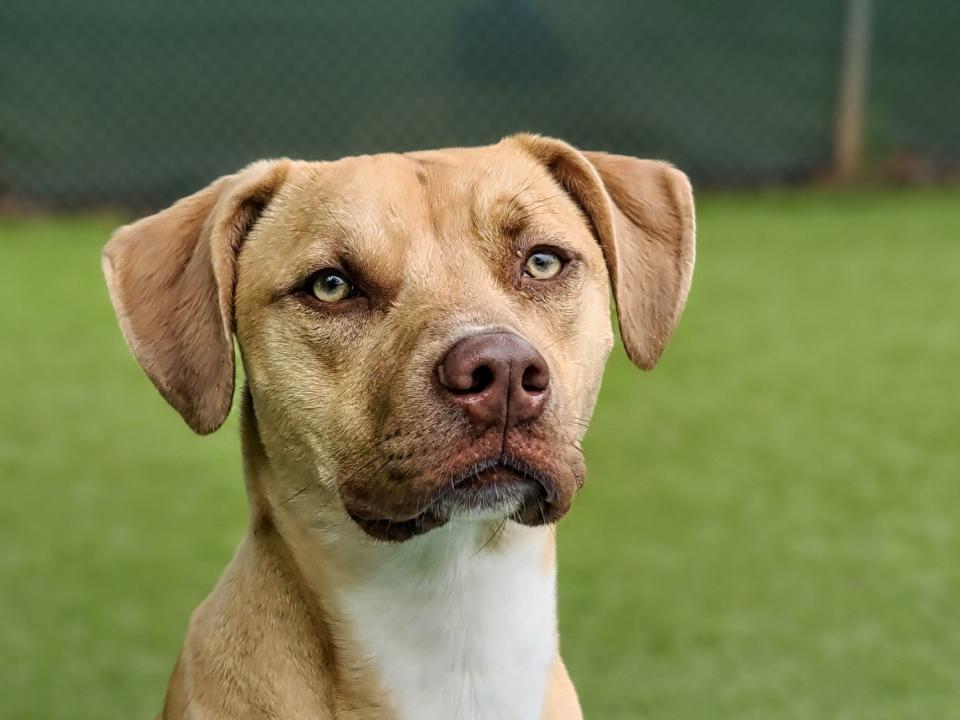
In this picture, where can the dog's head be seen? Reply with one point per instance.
(423, 335)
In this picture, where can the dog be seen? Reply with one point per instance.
(423, 337)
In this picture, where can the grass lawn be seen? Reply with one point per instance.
(770, 528)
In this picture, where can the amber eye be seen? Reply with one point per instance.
(330, 286)
(543, 265)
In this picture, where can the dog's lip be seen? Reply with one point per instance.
(516, 470)
(398, 530)
(476, 477)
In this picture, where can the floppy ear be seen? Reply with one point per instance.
(642, 214)
(171, 281)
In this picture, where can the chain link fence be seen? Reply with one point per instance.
(137, 102)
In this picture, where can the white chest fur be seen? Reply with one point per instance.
(453, 633)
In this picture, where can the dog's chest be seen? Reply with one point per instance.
(453, 633)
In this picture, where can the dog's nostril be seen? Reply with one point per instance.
(482, 378)
(535, 379)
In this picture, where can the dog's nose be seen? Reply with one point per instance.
(499, 379)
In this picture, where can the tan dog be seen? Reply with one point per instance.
(423, 337)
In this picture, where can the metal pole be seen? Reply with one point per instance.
(848, 139)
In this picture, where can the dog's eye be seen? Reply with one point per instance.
(330, 286)
(543, 265)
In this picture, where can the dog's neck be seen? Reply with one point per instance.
(457, 623)
(454, 629)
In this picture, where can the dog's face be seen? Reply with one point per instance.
(427, 333)
(423, 335)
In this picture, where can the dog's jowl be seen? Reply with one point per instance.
(423, 338)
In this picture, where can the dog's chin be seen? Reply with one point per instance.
(495, 490)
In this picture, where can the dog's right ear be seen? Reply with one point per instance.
(171, 282)
(641, 212)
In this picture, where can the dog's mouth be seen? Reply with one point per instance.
(496, 489)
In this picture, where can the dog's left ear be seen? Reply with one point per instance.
(642, 214)
(171, 281)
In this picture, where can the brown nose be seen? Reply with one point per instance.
(499, 379)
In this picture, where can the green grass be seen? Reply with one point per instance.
(769, 529)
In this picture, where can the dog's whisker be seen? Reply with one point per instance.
(545, 200)
(297, 494)
(493, 535)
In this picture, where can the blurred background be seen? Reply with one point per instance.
(769, 529)
(137, 103)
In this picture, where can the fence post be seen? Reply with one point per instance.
(848, 137)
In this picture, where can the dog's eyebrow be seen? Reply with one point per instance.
(512, 214)
(510, 217)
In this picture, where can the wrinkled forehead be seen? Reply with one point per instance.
(434, 192)
(390, 215)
